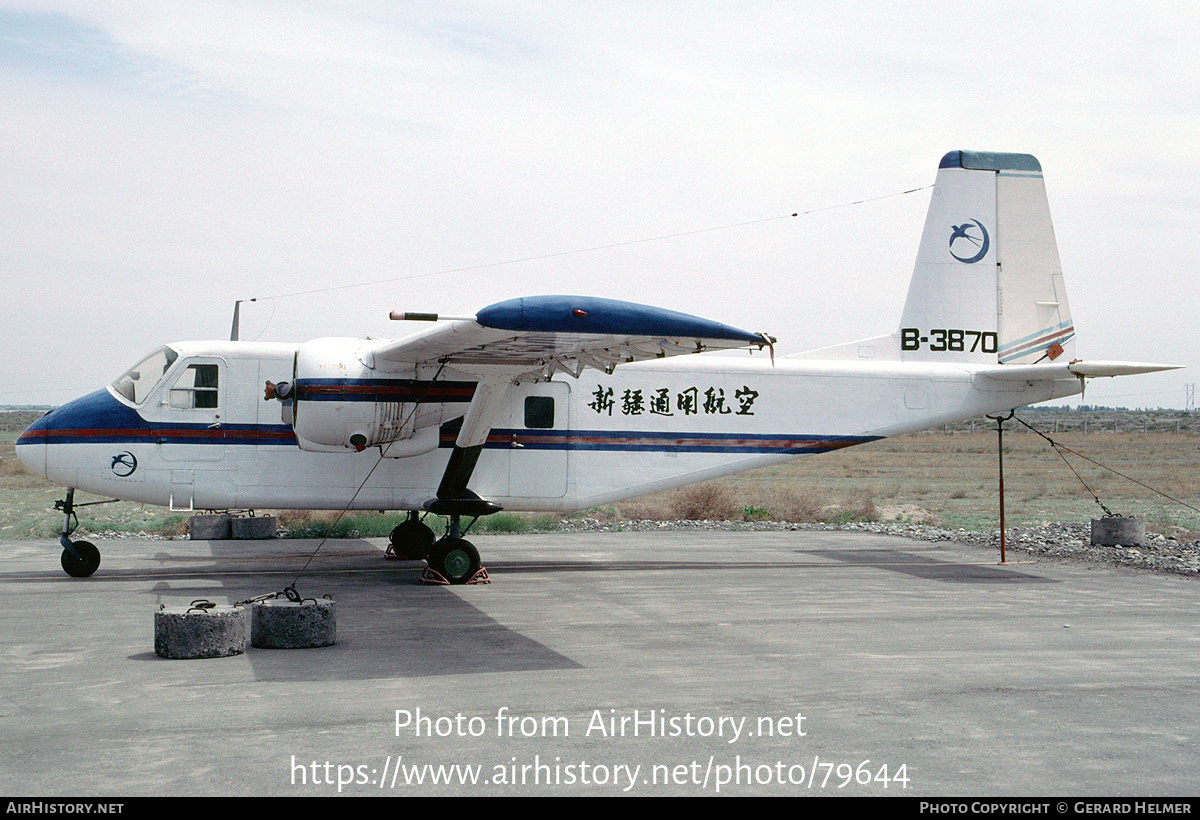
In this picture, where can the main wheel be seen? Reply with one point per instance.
(412, 539)
(87, 562)
(454, 559)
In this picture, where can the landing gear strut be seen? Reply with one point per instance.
(79, 558)
(454, 560)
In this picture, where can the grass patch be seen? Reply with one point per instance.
(516, 523)
(710, 501)
(755, 514)
(331, 524)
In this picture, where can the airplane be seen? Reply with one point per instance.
(562, 403)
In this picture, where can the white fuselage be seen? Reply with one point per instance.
(562, 445)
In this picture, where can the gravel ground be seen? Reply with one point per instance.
(1159, 553)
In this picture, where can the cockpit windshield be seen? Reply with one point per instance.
(137, 382)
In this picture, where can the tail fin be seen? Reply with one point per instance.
(987, 286)
(987, 268)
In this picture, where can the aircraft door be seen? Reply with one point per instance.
(538, 460)
(191, 417)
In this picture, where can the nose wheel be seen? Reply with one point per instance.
(80, 559)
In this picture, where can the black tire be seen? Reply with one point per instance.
(86, 564)
(454, 559)
(412, 540)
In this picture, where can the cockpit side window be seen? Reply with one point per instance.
(196, 387)
(139, 381)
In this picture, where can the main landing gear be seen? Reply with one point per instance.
(79, 558)
(410, 540)
(452, 559)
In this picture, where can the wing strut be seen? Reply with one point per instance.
(453, 496)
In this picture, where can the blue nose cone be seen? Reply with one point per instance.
(93, 419)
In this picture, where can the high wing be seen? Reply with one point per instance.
(533, 338)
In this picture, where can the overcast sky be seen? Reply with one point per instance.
(338, 160)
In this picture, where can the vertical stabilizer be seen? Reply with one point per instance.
(987, 286)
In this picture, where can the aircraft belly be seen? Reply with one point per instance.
(537, 473)
(201, 489)
(291, 478)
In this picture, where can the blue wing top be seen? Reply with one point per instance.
(593, 315)
(537, 336)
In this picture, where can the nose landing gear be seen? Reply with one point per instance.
(79, 558)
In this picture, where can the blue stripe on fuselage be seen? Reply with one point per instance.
(99, 418)
(664, 441)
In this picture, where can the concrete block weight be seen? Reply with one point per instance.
(201, 630)
(303, 624)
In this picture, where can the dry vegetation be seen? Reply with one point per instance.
(949, 477)
(946, 477)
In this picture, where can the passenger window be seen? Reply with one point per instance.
(196, 388)
(539, 412)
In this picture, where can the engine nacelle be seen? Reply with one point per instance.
(344, 402)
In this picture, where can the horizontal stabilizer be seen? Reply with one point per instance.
(1093, 369)
(1071, 370)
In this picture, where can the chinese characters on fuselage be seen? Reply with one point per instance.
(662, 401)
